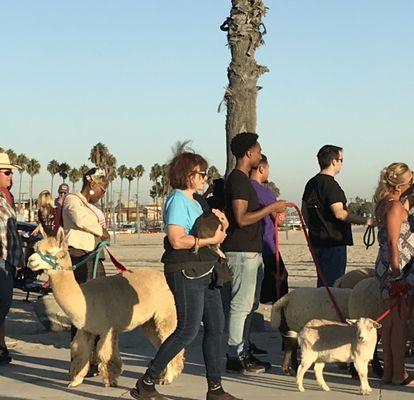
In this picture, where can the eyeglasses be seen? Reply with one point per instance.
(6, 172)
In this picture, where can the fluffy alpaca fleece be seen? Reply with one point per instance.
(106, 306)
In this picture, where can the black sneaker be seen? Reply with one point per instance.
(235, 365)
(255, 350)
(146, 391)
(4, 356)
(255, 365)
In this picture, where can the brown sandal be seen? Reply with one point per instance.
(407, 381)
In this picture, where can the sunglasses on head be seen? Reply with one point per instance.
(6, 172)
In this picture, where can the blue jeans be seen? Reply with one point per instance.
(332, 262)
(6, 289)
(195, 302)
(247, 270)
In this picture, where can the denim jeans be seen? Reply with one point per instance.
(332, 262)
(195, 302)
(6, 289)
(247, 270)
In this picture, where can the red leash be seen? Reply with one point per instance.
(315, 261)
(119, 267)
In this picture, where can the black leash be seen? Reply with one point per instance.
(369, 236)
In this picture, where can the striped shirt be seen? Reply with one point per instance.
(10, 244)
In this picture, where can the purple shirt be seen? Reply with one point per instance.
(266, 197)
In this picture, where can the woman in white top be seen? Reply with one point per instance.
(85, 228)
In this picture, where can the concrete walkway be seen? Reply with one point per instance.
(40, 365)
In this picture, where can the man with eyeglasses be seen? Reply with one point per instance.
(10, 251)
(325, 211)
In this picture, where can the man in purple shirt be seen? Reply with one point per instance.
(259, 177)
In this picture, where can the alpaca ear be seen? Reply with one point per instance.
(60, 236)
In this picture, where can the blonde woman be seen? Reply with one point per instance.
(394, 265)
(49, 217)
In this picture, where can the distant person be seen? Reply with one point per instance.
(63, 190)
(259, 177)
(325, 212)
(10, 251)
(394, 267)
(49, 217)
(85, 229)
(243, 248)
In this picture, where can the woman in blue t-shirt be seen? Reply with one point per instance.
(197, 299)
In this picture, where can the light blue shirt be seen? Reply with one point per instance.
(180, 210)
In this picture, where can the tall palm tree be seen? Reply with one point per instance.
(122, 170)
(32, 168)
(110, 170)
(53, 169)
(244, 29)
(64, 169)
(22, 161)
(155, 173)
(99, 155)
(130, 175)
(74, 176)
(139, 171)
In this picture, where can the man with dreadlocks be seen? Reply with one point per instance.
(243, 247)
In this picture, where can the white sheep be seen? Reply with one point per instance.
(322, 341)
(351, 278)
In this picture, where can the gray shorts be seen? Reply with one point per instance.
(6, 290)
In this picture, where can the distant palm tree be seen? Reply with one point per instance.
(12, 156)
(139, 171)
(212, 174)
(110, 170)
(64, 169)
(272, 186)
(74, 176)
(155, 173)
(122, 170)
(130, 175)
(83, 169)
(99, 155)
(22, 161)
(53, 169)
(32, 168)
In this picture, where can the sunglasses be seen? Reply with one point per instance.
(203, 174)
(6, 172)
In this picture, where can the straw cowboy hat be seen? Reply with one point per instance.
(5, 162)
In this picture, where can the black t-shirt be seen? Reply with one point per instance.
(248, 238)
(325, 230)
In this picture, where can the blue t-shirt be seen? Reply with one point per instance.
(180, 210)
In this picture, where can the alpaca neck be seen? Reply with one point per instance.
(69, 295)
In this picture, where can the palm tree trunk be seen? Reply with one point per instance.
(129, 194)
(244, 35)
(138, 219)
(20, 191)
(120, 200)
(31, 198)
(51, 185)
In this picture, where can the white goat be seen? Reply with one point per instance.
(323, 341)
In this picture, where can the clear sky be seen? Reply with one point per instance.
(140, 75)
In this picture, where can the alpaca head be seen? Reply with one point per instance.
(51, 253)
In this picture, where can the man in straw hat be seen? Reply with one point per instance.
(10, 250)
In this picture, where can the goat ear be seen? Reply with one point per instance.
(376, 325)
(351, 321)
(60, 236)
